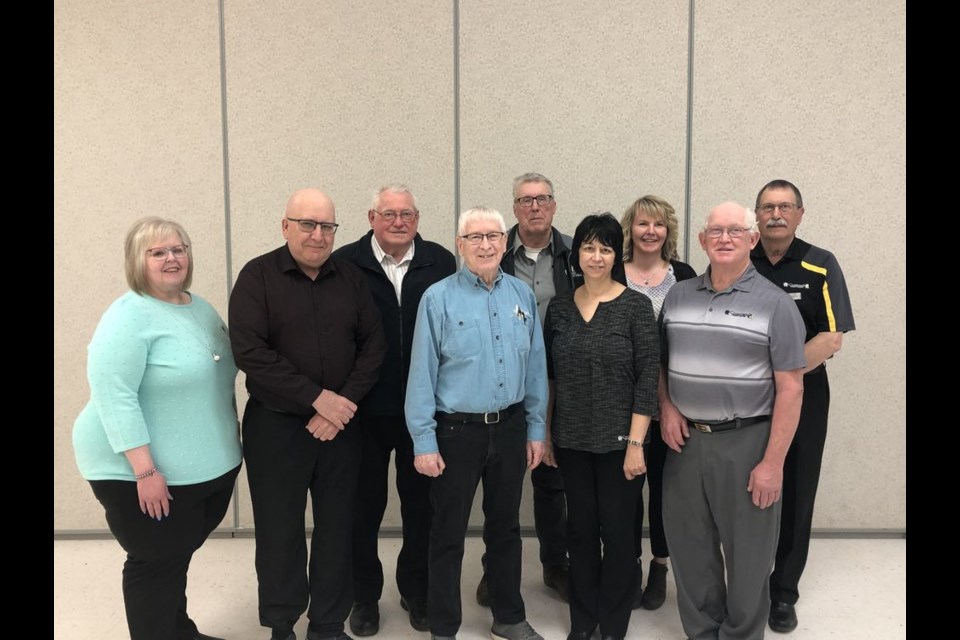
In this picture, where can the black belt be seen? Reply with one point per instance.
(726, 425)
(490, 417)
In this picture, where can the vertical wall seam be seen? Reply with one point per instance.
(689, 150)
(227, 231)
(456, 115)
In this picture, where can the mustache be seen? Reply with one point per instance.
(776, 223)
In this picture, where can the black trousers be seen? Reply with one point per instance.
(600, 535)
(284, 461)
(655, 454)
(496, 455)
(801, 477)
(550, 515)
(159, 552)
(382, 435)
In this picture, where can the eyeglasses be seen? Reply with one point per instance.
(307, 226)
(785, 207)
(477, 238)
(407, 215)
(717, 232)
(160, 253)
(527, 201)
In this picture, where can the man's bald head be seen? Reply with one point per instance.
(309, 212)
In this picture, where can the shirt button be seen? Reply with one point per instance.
(500, 361)
(498, 337)
(501, 384)
(494, 314)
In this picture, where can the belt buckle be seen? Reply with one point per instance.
(700, 426)
(487, 420)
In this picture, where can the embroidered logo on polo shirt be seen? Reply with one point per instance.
(737, 314)
(791, 285)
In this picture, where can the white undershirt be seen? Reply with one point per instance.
(394, 270)
(532, 253)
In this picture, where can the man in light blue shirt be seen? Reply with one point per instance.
(476, 407)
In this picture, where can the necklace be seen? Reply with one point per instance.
(646, 279)
(190, 329)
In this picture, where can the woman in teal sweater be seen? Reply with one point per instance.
(159, 441)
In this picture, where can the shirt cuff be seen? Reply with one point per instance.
(426, 443)
(536, 431)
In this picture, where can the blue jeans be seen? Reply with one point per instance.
(495, 454)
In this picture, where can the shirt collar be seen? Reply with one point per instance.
(471, 279)
(796, 251)
(518, 243)
(743, 283)
(381, 255)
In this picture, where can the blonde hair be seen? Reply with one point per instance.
(658, 209)
(141, 235)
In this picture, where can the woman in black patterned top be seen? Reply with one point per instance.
(602, 360)
(651, 267)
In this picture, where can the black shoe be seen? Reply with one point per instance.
(483, 592)
(580, 635)
(557, 577)
(282, 635)
(365, 618)
(638, 587)
(656, 590)
(417, 607)
(315, 635)
(612, 637)
(783, 617)
(203, 636)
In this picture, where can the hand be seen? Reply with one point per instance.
(535, 451)
(766, 481)
(334, 408)
(154, 496)
(634, 463)
(429, 464)
(322, 429)
(673, 427)
(548, 458)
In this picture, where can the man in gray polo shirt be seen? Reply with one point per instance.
(732, 371)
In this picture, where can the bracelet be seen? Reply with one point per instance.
(636, 443)
(146, 474)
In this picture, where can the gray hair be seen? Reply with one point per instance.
(531, 177)
(393, 187)
(479, 214)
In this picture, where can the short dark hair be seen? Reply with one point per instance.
(602, 227)
(780, 184)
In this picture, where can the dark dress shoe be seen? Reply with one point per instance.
(315, 635)
(283, 635)
(580, 635)
(365, 618)
(203, 636)
(483, 592)
(557, 577)
(612, 637)
(783, 617)
(417, 608)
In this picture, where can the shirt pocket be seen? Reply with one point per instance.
(461, 340)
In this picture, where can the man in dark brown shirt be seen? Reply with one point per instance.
(305, 330)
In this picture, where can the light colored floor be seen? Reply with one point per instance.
(851, 589)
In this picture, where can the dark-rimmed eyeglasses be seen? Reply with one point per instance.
(307, 226)
(477, 238)
(527, 201)
(785, 207)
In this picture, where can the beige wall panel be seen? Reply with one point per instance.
(340, 95)
(593, 96)
(136, 132)
(815, 92)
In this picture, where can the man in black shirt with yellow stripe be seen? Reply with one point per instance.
(812, 277)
